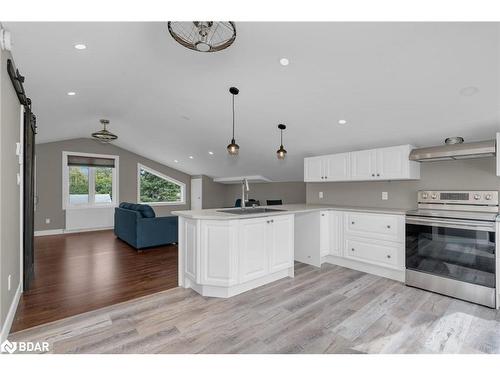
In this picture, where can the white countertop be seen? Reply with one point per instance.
(214, 214)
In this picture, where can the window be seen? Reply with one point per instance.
(89, 180)
(155, 188)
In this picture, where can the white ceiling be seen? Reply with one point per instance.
(395, 83)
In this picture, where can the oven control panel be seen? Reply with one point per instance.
(459, 197)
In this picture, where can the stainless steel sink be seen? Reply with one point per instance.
(249, 210)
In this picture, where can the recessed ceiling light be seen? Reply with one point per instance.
(210, 152)
(469, 91)
(342, 122)
(284, 61)
(176, 161)
(191, 157)
(80, 46)
(71, 93)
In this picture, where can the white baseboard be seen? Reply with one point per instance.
(394, 274)
(10, 315)
(52, 232)
(49, 232)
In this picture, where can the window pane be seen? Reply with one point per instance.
(156, 189)
(78, 185)
(103, 185)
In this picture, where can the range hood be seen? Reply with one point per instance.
(457, 151)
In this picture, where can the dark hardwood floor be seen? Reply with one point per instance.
(80, 272)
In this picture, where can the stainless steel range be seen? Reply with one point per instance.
(450, 244)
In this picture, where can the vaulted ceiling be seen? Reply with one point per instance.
(394, 83)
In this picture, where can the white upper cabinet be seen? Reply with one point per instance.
(337, 167)
(313, 169)
(498, 154)
(363, 165)
(334, 167)
(389, 163)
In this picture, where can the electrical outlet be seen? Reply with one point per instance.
(385, 195)
(8, 282)
(47, 220)
(320, 195)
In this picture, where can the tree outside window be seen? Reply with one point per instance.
(156, 188)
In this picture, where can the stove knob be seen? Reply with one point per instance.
(477, 197)
(487, 197)
(425, 195)
(434, 196)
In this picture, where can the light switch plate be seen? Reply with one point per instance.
(47, 220)
(9, 280)
(385, 195)
(320, 195)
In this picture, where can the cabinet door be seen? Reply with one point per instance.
(337, 167)
(336, 224)
(363, 165)
(313, 169)
(218, 252)
(280, 242)
(393, 162)
(324, 233)
(253, 248)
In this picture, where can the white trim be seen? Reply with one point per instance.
(7, 325)
(164, 177)
(65, 184)
(21, 199)
(49, 232)
(53, 232)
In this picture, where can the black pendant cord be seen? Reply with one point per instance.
(281, 137)
(233, 119)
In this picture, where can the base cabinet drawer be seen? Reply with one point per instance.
(375, 252)
(383, 227)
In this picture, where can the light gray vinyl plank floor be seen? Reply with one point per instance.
(321, 310)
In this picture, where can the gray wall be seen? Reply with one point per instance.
(213, 193)
(289, 192)
(479, 174)
(9, 190)
(49, 178)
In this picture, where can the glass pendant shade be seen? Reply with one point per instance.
(233, 148)
(281, 153)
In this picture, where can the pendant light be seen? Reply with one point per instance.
(281, 153)
(233, 148)
(104, 135)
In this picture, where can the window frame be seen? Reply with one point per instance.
(91, 204)
(164, 177)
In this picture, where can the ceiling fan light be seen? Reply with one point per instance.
(203, 36)
(104, 135)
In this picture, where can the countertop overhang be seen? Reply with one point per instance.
(215, 214)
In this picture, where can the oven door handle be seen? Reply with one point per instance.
(485, 226)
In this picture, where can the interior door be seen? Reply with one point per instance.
(196, 197)
(29, 198)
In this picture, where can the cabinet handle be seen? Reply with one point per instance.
(322, 214)
(378, 174)
(352, 249)
(388, 227)
(352, 222)
(388, 256)
(272, 221)
(373, 174)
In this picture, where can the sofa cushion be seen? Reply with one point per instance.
(146, 211)
(125, 205)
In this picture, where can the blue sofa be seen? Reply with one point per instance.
(137, 225)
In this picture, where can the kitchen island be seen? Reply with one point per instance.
(223, 253)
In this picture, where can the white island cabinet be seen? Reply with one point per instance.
(222, 258)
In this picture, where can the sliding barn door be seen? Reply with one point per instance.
(29, 197)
